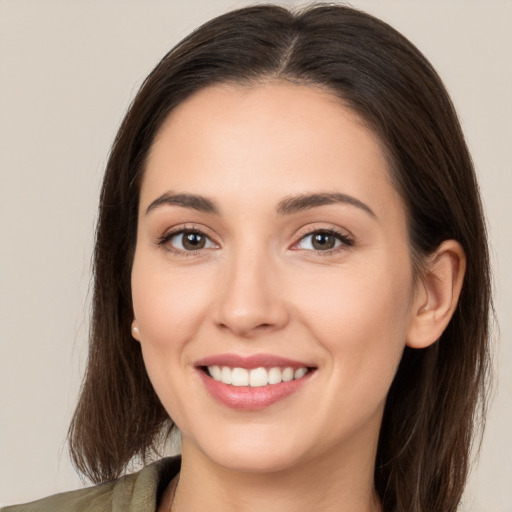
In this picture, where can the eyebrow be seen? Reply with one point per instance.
(193, 201)
(287, 206)
(303, 202)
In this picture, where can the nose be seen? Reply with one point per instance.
(251, 298)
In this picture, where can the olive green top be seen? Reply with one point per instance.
(138, 492)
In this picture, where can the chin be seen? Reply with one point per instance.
(257, 461)
(250, 452)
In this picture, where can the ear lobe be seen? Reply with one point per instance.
(135, 330)
(438, 294)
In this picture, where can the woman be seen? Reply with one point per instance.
(291, 263)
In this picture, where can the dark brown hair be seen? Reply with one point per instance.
(438, 394)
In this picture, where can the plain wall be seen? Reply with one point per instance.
(68, 70)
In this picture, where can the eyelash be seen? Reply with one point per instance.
(164, 240)
(346, 240)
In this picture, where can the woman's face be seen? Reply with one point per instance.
(271, 246)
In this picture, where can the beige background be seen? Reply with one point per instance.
(68, 70)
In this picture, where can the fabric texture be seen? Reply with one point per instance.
(137, 492)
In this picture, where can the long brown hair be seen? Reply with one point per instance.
(438, 395)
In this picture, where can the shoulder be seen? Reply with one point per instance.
(97, 498)
(138, 492)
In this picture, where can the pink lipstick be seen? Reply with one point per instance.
(252, 382)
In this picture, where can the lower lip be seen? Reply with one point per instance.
(248, 398)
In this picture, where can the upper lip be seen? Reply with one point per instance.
(252, 361)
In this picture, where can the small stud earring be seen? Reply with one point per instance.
(135, 330)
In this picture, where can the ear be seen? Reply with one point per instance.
(135, 330)
(437, 296)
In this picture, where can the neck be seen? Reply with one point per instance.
(340, 482)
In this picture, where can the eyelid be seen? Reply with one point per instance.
(346, 238)
(169, 234)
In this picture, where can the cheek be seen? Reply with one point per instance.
(380, 298)
(167, 304)
(361, 319)
(169, 309)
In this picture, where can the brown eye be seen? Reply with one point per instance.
(323, 241)
(190, 241)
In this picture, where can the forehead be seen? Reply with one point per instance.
(259, 143)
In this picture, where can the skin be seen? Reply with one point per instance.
(259, 286)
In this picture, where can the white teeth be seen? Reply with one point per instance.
(274, 376)
(225, 375)
(256, 377)
(215, 372)
(299, 373)
(287, 374)
(239, 377)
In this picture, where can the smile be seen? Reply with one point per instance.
(252, 382)
(257, 377)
